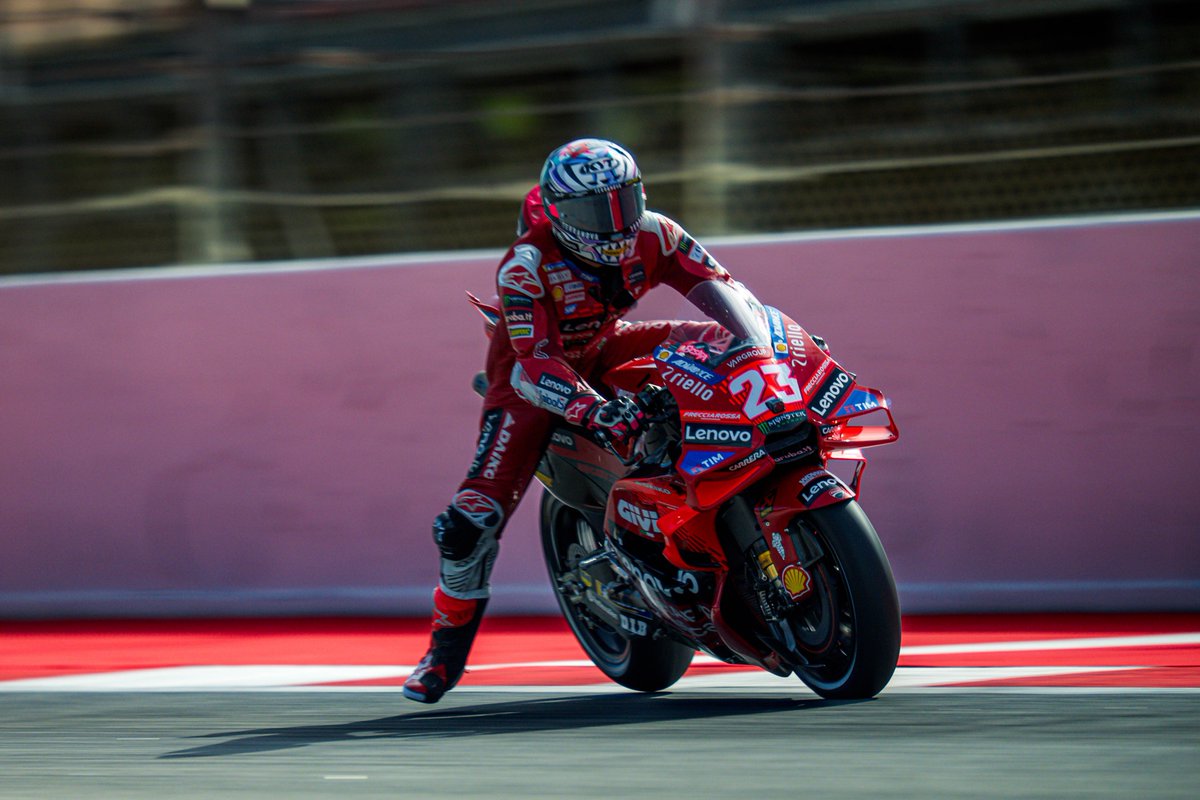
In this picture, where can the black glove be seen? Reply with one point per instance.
(614, 420)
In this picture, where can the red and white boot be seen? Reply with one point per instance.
(455, 622)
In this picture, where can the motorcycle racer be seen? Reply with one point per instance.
(587, 249)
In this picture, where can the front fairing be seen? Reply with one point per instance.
(748, 404)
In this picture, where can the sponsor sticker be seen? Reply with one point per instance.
(556, 385)
(707, 433)
(487, 435)
(817, 483)
(742, 356)
(827, 397)
(689, 366)
(748, 460)
(708, 416)
(794, 454)
(695, 462)
(516, 301)
(693, 350)
(857, 402)
(688, 383)
(778, 340)
(783, 421)
(520, 331)
(796, 581)
(562, 439)
(641, 519)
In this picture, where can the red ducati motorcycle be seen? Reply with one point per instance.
(720, 527)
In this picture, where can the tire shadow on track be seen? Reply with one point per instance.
(490, 719)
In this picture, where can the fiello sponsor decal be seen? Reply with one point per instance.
(698, 433)
(686, 382)
(795, 340)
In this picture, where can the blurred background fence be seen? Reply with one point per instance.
(154, 132)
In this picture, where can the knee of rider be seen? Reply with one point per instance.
(470, 516)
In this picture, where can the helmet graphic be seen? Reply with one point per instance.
(593, 196)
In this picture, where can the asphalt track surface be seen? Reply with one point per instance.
(1068, 709)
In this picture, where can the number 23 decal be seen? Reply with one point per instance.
(762, 383)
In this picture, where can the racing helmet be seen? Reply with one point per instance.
(593, 196)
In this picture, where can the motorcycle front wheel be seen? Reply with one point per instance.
(847, 630)
(642, 664)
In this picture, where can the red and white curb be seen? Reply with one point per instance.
(1126, 662)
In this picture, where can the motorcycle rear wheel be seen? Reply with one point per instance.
(642, 664)
(848, 630)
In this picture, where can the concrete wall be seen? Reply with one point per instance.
(276, 440)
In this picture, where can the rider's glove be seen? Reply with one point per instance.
(614, 420)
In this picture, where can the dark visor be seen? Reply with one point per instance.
(607, 212)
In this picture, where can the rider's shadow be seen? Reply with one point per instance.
(525, 716)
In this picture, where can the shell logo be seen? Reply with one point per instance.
(796, 580)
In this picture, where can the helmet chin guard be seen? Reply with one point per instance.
(593, 196)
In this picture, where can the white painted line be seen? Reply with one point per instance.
(344, 777)
(268, 677)
(204, 678)
(272, 678)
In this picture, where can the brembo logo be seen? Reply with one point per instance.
(716, 434)
(640, 518)
(830, 393)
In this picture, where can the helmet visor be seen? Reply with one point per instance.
(607, 212)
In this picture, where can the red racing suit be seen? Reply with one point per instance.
(560, 330)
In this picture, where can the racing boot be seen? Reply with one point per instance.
(455, 623)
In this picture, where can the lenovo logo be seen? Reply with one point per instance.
(694, 433)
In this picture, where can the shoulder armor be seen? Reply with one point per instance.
(667, 230)
(520, 271)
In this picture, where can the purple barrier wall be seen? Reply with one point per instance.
(277, 441)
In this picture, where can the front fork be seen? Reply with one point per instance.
(739, 526)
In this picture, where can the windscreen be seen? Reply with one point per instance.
(737, 311)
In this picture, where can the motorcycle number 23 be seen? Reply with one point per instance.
(762, 383)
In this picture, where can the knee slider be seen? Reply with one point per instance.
(466, 537)
(458, 529)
